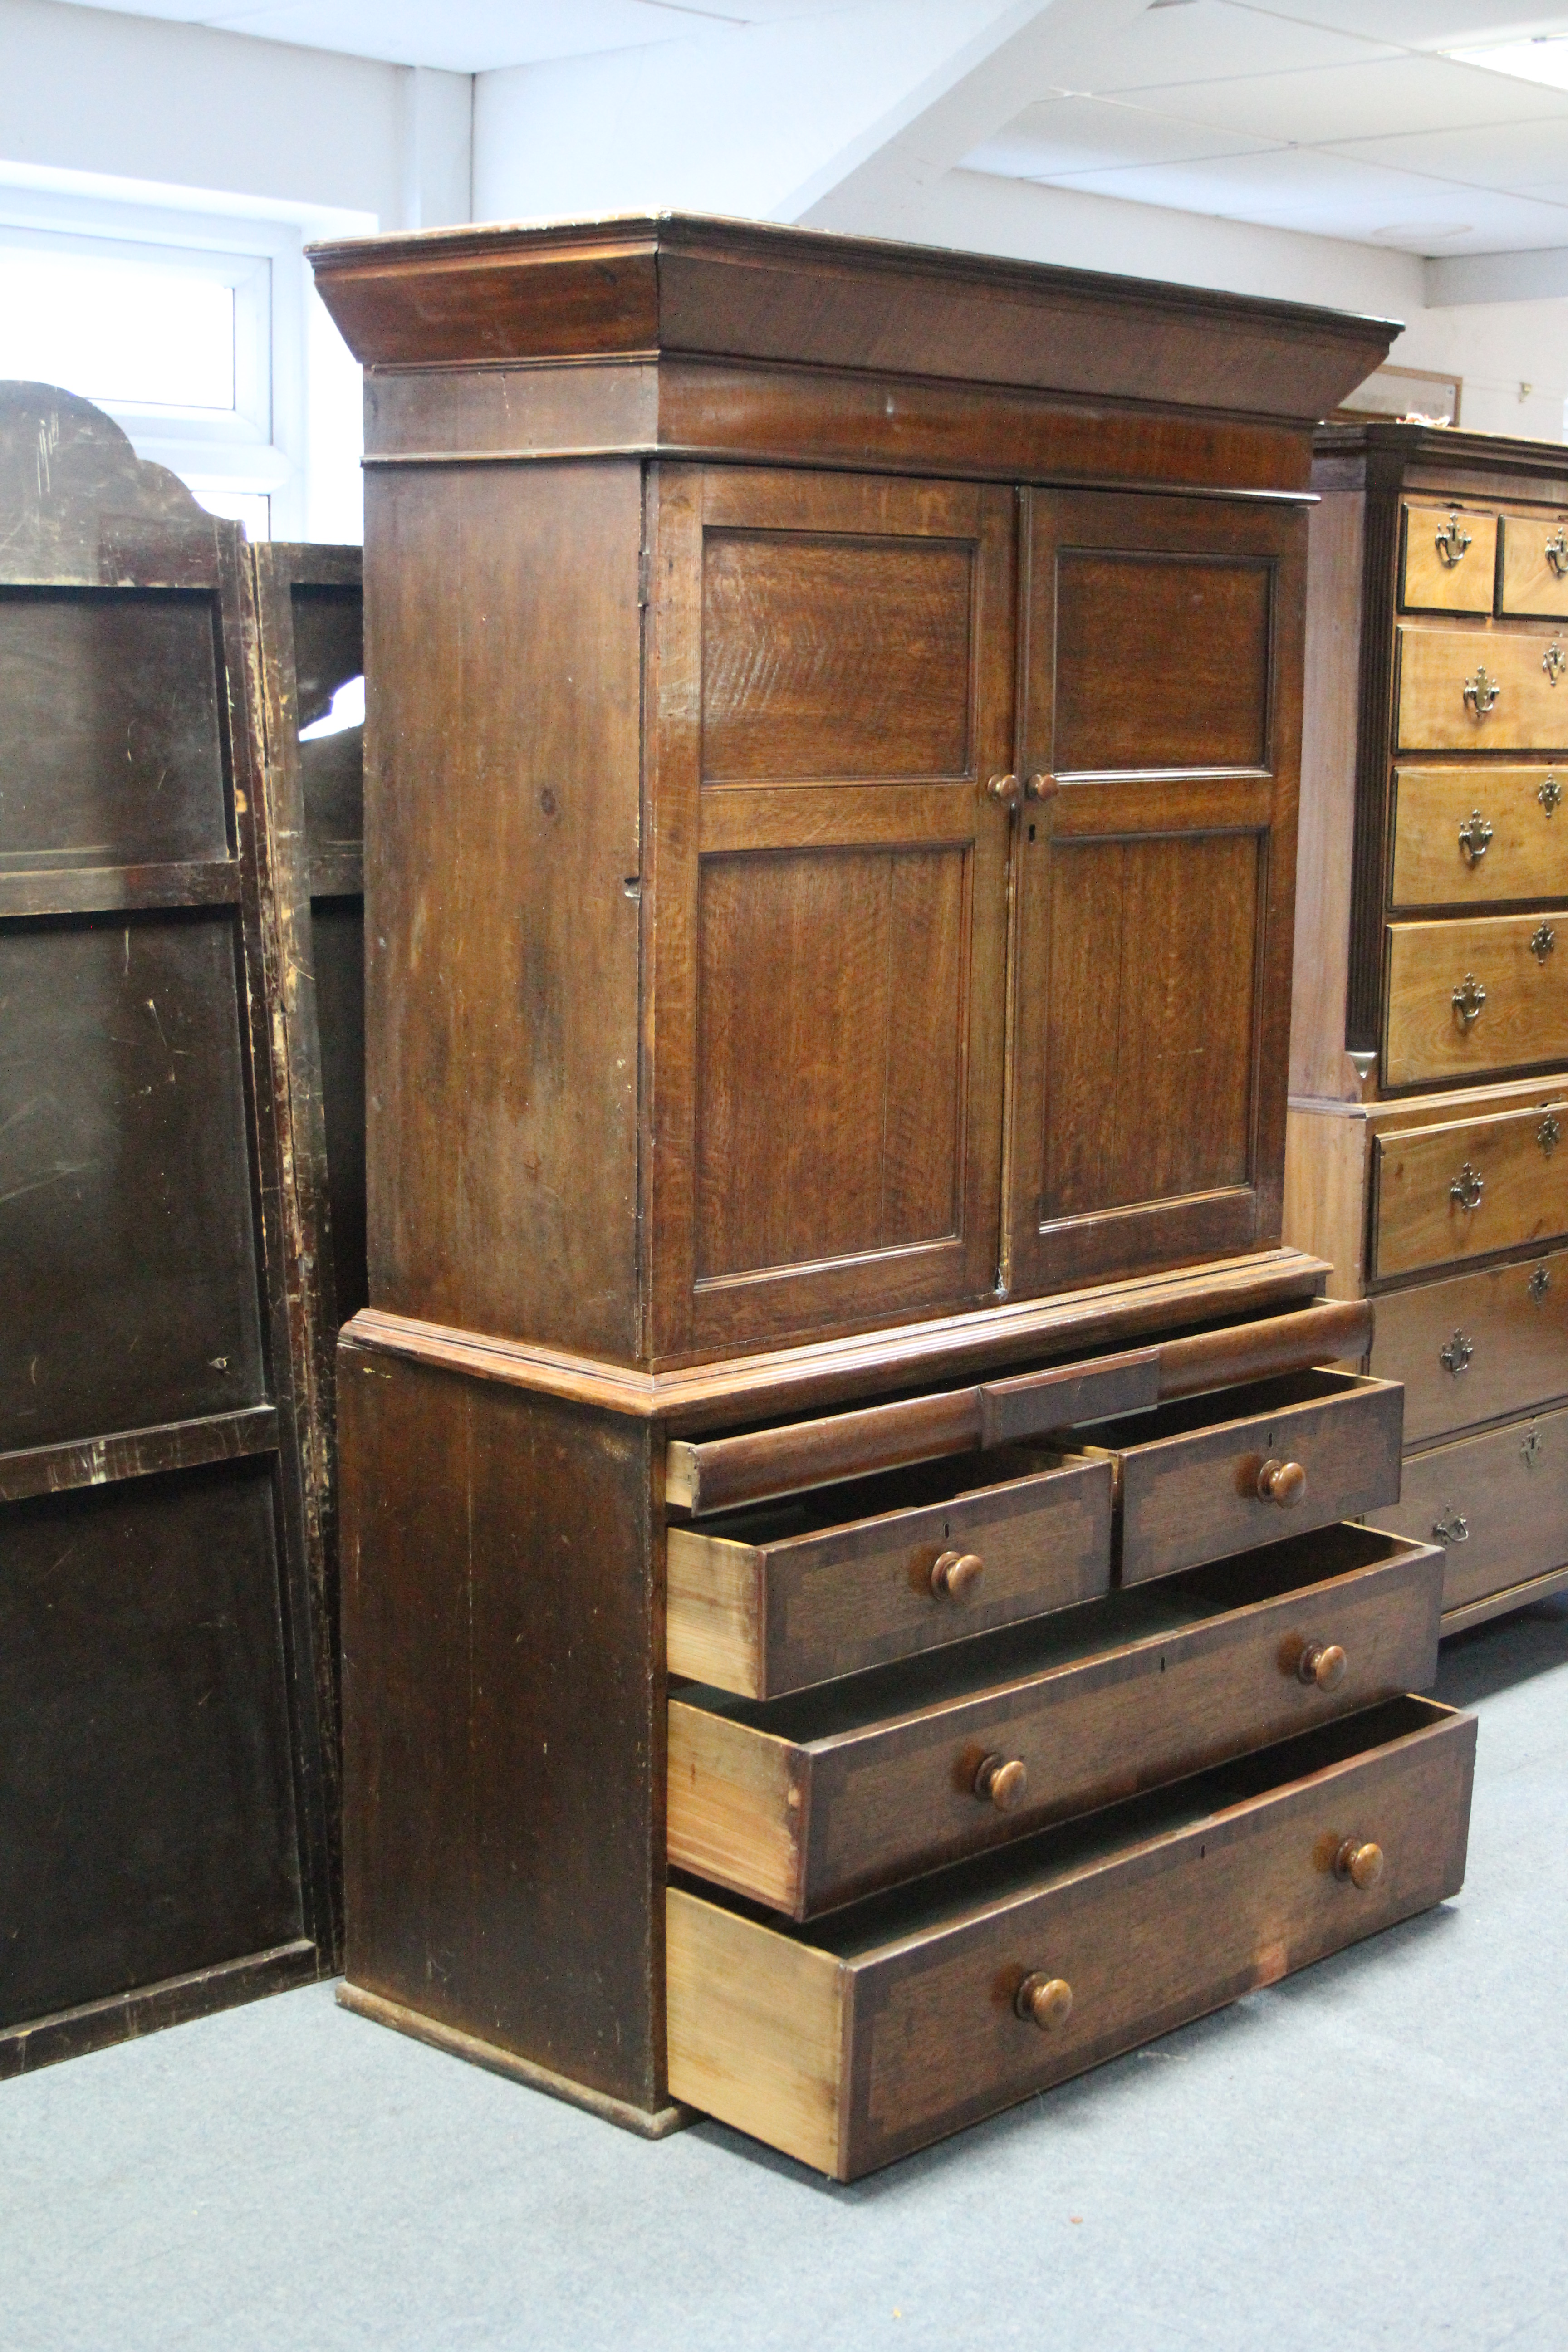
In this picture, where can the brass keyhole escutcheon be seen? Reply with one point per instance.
(1530, 1447)
(1452, 540)
(1474, 835)
(1481, 692)
(1360, 1861)
(1456, 1355)
(1453, 1528)
(1551, 795)
(1555, 661)
(1549, 1134)
(1467, 1187)
(1543, 940)
(1469, 999)
(1043, 2000)
(1540, 1283)
(954, 1573)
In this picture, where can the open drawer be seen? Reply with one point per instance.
(899, 2020)
(806, 1803)
(1216, 1474)
(770, 1601)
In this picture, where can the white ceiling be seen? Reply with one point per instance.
(472, 36)
(1340, 117)
(1340, 120)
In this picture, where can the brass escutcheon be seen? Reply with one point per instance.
(1530, 1447)
(1551, 795)
(1452, 540)
(1469, 998)
(1555, 661)
(1474, 835)
(1543, 940)
(1549, 1134)
(1481, 691)
(1540, 1283)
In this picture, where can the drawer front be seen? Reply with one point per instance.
(1475, 1346)
(1498, 1502)
(1191, 1479)
(775, 1613)
(1450, 562)
(1481, 689)
(1458, 1190)
(850, 2051)
(1478, 835)
(804, 1824)
(1534, 565)
(1474, 996)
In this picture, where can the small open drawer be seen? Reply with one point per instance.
(899, 2020)
(1214, 1474)
(802, 1803)
(770, 1601)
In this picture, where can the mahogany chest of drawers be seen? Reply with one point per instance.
(847, 1616)
(1429, 1055)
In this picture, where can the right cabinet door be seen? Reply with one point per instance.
(1159, 745)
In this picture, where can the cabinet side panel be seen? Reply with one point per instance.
(503, 1742)
(501, 872)
(1334, 542)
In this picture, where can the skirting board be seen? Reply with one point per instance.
(657, 2124)
(125, 2017)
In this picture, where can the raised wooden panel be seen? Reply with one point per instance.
(833, 1012)
(1477, 834)
(1534, 581)
(145, 1782)
(126, 1222)
(831, 677)
(1475, 996)
(1154, 861)
(1161, 660)
(834, 657)
(110, 751)
(1448, 559)
(1517, 693)
(1149, 1043)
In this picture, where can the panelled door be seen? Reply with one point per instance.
(830, 680)
(1155, 846)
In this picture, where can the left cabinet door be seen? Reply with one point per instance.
(830, 694)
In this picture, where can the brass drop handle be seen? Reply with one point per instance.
(1556, 552)
(954, 1572)
(1455, 1357)
(1004, 1779)
(1452, 540)
(1281, 1483)
(1361, 1862)
(1043, 2000)
(1451, 1529)
(1467, 1187)
(1475, 834)
(1481, 692)
(1469, 999)
(1006, 789)
(1321, 1663)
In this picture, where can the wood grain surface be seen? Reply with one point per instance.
(1419, 1219)
(1435, 574)
(1526, 855)
(1434, 666)
(1524, 971)
(1514, 1320)
(1507, 1490)
(1530, 581)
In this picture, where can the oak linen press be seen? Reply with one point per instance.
(847, 1620)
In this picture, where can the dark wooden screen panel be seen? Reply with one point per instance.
(1156, 858)
(166, 1775)
(834, 687)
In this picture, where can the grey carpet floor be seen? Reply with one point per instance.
(1372, 2153)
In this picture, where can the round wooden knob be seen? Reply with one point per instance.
(1323, 1662)
(1283, 1483)
(1043, 2000)
(954, 1572)
(1006, 789)
(1003, 1779)
(1361, 1864)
